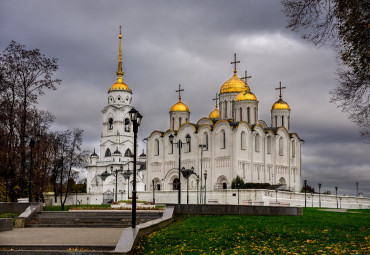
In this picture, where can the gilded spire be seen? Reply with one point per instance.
(120, 72)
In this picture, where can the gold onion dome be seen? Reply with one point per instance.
(180, 107)
(246, 96)
(234, 84)
(215, 114)
(280, 105)
(120, 85)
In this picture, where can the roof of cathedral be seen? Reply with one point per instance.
(179, 107)
(246, 96)
(280, 105)
(234, 84)
(215, 114)
(120, 85)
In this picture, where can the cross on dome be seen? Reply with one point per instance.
(235, 62)
(280, 88)
(246, 77)
(179, 90)
(216, 99)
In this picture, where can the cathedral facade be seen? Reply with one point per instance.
(111, 172)
(230, 142)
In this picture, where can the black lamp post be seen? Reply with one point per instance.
(201, 146)
(32, 145)
(336, 195)
(319, 195)
(205, 187)
(186, 173)
(127, 177)
(153, 191)
(179, 145)
(197, 190)
(305, 201)
(276, 191)
(116, 174)
(135, 117)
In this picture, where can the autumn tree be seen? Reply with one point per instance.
(344, 26)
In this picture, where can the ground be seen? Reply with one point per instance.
(316, 232)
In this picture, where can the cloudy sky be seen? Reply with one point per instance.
(166, 43)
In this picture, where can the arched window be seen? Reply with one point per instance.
(276, 121)
(128, 153)
(175, 184)
(108, 153)
(241, 114)
(156, 144)
(281, 146)
(127, 125)
(255, 115)
(257, 142)
(186, 120)
(179, 122)
(226, 110)
(268, 145)
(232, 109)
(170, 145)
(173, 123)
(288, 122)
(249, 115)
(110, 124)
(189, 144)
(158, 186)
(224, 185)
(293, 148)
(243, 140)
(206, 140)
(223, 139)
(282, 121)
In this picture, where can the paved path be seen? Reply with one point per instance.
(61, 236)
(334, 210)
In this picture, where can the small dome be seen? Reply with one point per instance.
(280, 105)
(246, 96)
(234, 84)
(120, 86)
(215, 114)
(117, 152)
(179, 107)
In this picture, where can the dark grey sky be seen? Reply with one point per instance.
(190, 42)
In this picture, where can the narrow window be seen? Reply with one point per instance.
(206, 138)
(276, 121)
(243, 140)
(257, 142)
(189, 145)
(293, 149)
(127, 125)
(108, 153)
(156, 147)
(282, 121)
(269, 145)
(128, 153)
(173, 123)
(232, 108)
(241, 114)
(110, 124)
(179, 122)
(281, 146)
(175, 184)
(255, 115)
(226, 115)
(224, 185)
(249, 115)
(223, 139)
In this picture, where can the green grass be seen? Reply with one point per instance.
(316, 232)
(10, 215)
(360, 210)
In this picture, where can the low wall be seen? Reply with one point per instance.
(236, 210)
(14, 207)
(6, 224)
(27, 215)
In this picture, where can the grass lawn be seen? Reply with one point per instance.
(316, 232)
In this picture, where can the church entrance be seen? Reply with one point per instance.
(107, 197)
(176, 184)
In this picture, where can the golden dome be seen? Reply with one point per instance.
(179, 107)
(119, 86)
(280, 105)
(234, 84)
(215, 114)
(246, 96)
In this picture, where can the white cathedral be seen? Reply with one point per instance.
(231, 142)
(111, 173)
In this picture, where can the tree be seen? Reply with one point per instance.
(344, 26)
(237, 183)
(24, 75)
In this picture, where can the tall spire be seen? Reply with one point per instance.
(120, 72)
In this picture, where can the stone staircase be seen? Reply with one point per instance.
(90, 219)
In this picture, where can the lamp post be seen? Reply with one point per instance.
(179, 145)
(116, 174)
(205, 187)
(201, 146)
(186, 173)
(312, 198)
(319, 195)
(197, 190)
(135, 117)
(305, 201)
(153, 191)
(276, 191)
(238, 193)
(340, 200)
(336, 195)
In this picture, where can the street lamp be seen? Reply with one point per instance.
(198, 190)
(336, 195)
(135, 117)
(153, 191)
(305, 201)
(116, 173)
(179, 145)
(205, 187)
(32, 145)
(186, 173)
(319, 195)
(276, 191)
(201, 146)
(312, 198)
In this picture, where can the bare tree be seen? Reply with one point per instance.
(345, 26)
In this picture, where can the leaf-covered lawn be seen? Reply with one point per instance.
(316, 232)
